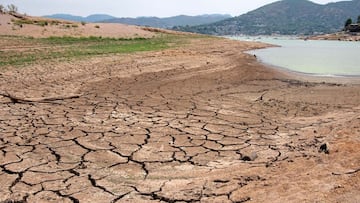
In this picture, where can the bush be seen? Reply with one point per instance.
(19, 22)
(97, 26)
(42, 23)
(83, 23)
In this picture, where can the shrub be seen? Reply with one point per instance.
(83, 23)
(42, 23)
(97, 26)
(19, 22)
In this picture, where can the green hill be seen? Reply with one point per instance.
(287, 17)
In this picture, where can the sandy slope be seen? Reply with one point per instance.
(203, 122)
(67, 28)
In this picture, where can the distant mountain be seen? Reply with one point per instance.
(90, 18)
(288, 17)
(170, 22)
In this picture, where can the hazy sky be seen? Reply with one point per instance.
(135, 8)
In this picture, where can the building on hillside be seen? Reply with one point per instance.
(353, 28)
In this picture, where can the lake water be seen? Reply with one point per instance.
(326, 58)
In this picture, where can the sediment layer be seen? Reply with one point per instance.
(204, 122)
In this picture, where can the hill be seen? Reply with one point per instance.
(287, 17)
(90, 18)
(181, 20)
(40, 27)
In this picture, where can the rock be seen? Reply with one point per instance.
(324, 148)
(249, 157)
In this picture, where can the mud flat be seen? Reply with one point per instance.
(198, 122)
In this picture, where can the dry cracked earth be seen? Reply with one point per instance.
(200, 123)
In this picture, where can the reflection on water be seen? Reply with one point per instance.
(314, 57)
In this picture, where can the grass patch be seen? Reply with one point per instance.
(58, 48)
(35, 22)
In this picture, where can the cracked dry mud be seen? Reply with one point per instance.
(203, 122)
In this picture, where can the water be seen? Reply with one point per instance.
(327, 58)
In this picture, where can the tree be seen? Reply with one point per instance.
(12, 8)
(348, 22)
(358, 21)
(2, 9)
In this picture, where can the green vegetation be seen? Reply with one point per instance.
(35, 22)
(65, 48)
(348, 22)
(352, 27)
(287, 17)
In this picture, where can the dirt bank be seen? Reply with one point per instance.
(203, 122)
(42, 27)
(339, 36)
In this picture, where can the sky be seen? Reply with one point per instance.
(137, 8)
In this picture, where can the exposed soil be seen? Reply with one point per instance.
(9, 26)
(340, 36)
(204, 122)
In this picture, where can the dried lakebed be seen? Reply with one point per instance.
(202, 122)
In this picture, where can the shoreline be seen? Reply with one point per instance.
(342, 79)
(328, 77)
(339, 36)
